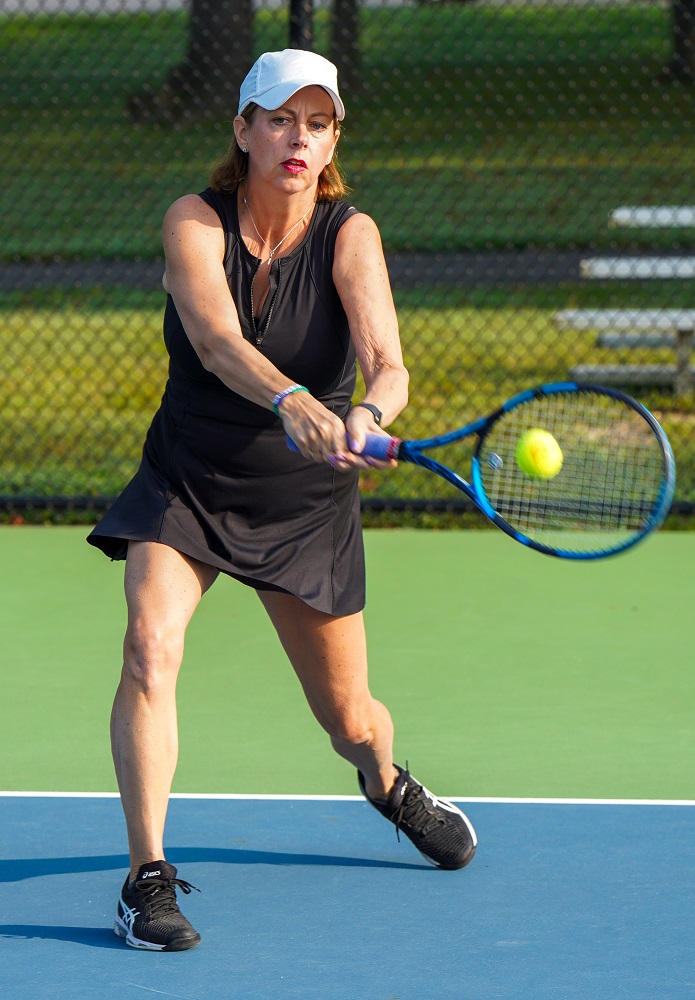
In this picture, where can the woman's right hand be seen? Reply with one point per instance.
(319, 434)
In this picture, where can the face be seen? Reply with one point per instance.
(291, 145)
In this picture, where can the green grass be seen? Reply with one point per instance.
(84, 372)
(475, 127)
(83, 377)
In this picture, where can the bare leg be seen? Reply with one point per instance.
(329, 656)
(163, 589)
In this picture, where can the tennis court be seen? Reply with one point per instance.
(554, 699)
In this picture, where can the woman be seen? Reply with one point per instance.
(275, 286)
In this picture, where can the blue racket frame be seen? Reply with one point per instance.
(382, 447)
(412, 452)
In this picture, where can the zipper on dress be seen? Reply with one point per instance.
(253, 311)
(261, 334)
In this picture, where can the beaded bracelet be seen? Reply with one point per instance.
(286, 392)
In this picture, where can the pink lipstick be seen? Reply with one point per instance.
(294, 166)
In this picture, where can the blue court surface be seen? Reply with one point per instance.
(314, 899)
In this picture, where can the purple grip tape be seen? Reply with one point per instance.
(376, 446)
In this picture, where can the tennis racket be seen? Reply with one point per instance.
(614, 487)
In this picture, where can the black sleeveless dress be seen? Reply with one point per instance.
(216, 480)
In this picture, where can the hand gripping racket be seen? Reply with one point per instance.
(615, 484)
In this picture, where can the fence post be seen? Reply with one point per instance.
(683, 381)
(301, 24)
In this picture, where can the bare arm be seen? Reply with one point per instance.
(194, 247)
(360, 275)
(194, 277)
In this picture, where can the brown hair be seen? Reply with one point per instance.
(232, 168)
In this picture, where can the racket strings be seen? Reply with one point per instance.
(610, 483)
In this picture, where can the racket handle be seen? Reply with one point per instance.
(378, 446)
(375, 446)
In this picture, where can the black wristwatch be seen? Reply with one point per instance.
(374, 410)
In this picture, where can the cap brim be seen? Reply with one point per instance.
(277, 96)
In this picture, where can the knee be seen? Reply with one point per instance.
(353, 726)
(151, 656)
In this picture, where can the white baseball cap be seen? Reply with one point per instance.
(275, 76)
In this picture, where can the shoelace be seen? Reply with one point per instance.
(160, 895)
(416, 810)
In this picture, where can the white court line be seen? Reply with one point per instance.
(504, 800)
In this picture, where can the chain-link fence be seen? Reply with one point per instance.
(530, 166)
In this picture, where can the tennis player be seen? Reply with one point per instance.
(276, 286)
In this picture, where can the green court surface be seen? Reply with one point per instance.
(508, 673)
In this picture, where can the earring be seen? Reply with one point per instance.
(244, 149)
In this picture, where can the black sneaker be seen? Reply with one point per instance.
(148, 914)
(441, 832)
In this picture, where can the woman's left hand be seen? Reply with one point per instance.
(361, 277)
(358, 424)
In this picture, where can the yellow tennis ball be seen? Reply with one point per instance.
(538, 454)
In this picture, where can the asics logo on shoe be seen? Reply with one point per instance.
(150, 874)
(129, 915)
(450, 807)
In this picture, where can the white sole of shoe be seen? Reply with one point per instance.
(121, 930)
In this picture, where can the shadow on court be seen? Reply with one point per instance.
(18, 869)
(94, 937)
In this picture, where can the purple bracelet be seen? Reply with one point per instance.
(286, 392)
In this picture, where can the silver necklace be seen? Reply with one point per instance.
(288, 233)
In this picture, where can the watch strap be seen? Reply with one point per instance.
(374, 410)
